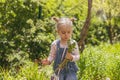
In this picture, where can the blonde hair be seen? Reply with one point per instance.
(63, 21)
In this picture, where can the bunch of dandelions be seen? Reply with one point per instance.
(71, 47)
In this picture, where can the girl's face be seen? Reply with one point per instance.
(65, 32)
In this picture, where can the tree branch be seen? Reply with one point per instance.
(86, 25)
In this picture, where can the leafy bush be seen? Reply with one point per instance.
(13, 17)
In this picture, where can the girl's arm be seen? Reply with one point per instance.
(52, 53)
(51, 56)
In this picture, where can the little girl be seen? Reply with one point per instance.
(59, 52)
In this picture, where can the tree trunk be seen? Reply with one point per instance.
(85, 27)
(40, 12)
(110, 33)
(110, 29)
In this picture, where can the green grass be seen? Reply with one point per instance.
(100, 62)
(96, 63)
(30, 71)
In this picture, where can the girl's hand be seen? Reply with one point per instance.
(45, 62)
(69, 56)
(37, 61)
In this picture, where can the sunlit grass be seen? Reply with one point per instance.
(96, 63)
(100, 62)
(30, 71)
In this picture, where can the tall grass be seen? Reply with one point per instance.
(100, 62)
(30, 71)
(96, 63)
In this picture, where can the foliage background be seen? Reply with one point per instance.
(26, 28)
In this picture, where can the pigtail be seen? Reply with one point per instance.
(73, 19)
(56, 19)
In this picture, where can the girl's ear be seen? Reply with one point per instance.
(73, 19)
(55, 19)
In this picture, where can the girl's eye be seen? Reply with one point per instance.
(63, 32)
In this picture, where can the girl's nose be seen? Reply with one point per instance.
(66, 34)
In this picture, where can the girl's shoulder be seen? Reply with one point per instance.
(55, 42)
